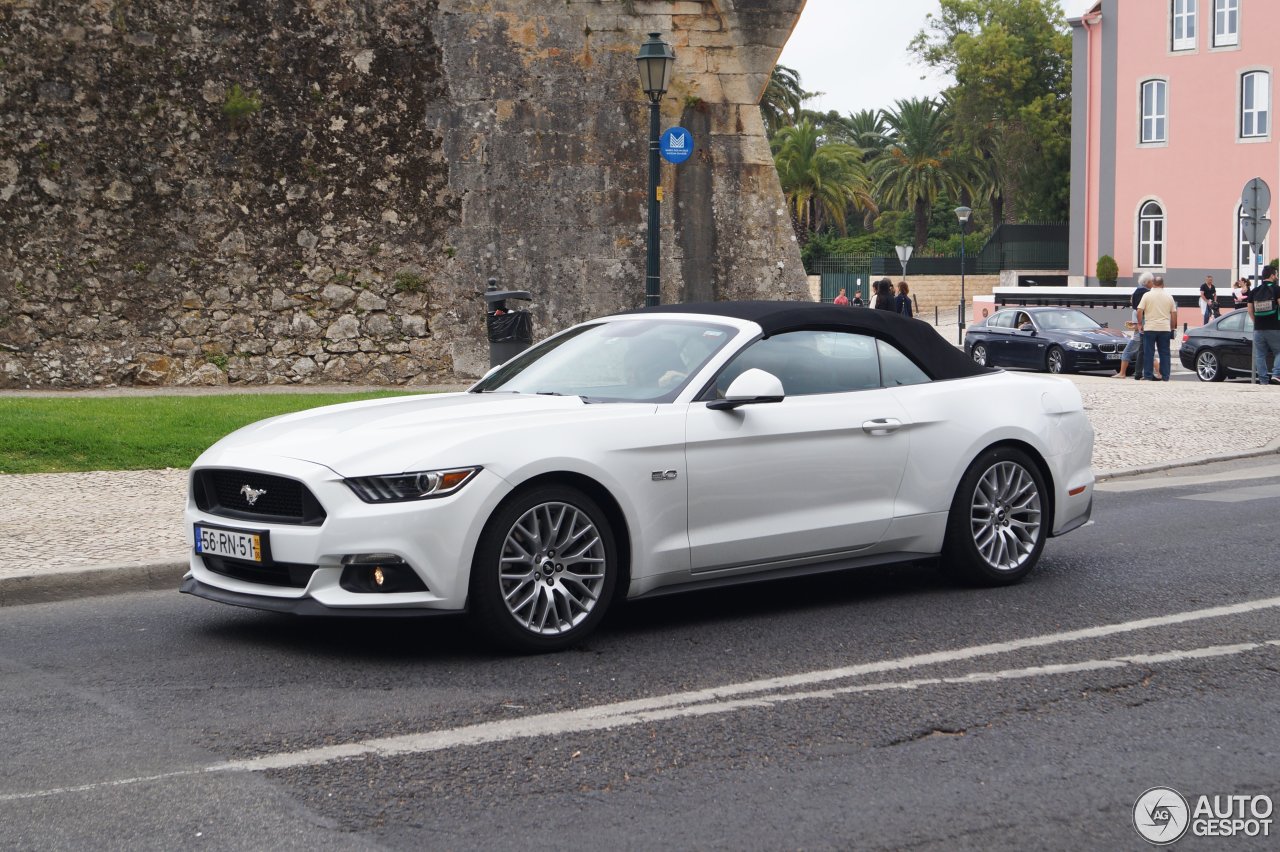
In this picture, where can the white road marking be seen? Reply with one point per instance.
(730, 698)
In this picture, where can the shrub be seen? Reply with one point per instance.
(1107, 270)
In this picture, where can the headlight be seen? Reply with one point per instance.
(420, 485)
(1078, 344)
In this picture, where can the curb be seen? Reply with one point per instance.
(166, 576)
(91, 582)
(1270, 449)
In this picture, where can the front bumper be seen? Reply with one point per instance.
(1086, 360)
(299, 606)
(303, 570)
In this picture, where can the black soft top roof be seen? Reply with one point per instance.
(917, 339)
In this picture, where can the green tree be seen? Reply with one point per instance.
(1011, 60)
(782, 98)
(868, 130)
(921, 162)
(822, 181)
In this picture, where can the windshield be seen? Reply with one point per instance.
(1067, 321)
(617, 361)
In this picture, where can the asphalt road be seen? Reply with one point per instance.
(872, 710)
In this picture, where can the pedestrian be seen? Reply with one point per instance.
(1263, 301)
(902, 302)
(1240, 294)
(1208, 300)
(857, 298)
(884, 295)
(841, 298)
(1133, 349)
(1157, 317)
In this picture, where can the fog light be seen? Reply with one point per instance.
(366, 573)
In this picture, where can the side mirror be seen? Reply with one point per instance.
(751, 388)
(1026, 326)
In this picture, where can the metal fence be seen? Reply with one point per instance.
(1022, 247)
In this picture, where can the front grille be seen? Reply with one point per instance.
(268, 573)
(1108, 348)
(278, 500)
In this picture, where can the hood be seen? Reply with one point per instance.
(400, 434)
(1100, 335)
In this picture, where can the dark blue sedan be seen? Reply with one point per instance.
(1059, 340)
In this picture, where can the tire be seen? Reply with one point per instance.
(561, 567)
(1055, 360)
(998, 522)
(1208, 367)
(979, 355)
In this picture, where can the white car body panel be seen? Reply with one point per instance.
(702, 493)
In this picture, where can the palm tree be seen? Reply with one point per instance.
(821, 181)
(780, 103)
(868, 129)
(921, 161)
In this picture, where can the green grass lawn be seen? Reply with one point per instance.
(52, 435)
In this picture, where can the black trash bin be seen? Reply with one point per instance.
(510, 329)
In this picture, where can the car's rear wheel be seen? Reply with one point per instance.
(1208, 367)
(998, 522)
(979, 355)
(544, 571)
(1056, 360)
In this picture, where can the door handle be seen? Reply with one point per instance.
(882, 426)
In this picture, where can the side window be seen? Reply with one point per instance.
(1002, 320)
(809, 362)
(897, 369)
(1235, 322)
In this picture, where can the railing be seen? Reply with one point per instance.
(1021, 247)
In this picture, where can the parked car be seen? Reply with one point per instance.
(1221, 349)
(1059, 340)
(677, 447)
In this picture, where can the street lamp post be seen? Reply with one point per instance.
(963, 214)
(655, 60)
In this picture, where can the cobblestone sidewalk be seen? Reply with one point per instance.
(124, 529)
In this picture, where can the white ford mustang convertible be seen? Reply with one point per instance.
(670, 448)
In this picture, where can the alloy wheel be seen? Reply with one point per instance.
(980, 355)
(1207, 367)
(1055, 360)
(1005, 515)
(552, 568)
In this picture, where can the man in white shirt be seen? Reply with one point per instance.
(1157, 318)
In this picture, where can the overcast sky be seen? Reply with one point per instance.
(855, 52)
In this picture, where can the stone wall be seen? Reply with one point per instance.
(299, 191)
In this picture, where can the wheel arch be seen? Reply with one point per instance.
(1041, 465)
(604, 499)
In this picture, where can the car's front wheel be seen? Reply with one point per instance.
(1208, 367)
(979, 355)
(999, 519)
(544, 571)
(1056, 360)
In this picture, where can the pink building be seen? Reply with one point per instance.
(1171, 116)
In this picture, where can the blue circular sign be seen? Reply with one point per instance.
(676, 145)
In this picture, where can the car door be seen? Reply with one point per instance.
(1025, 347)
(811, 477)
(1234, 338)
(1001, 326)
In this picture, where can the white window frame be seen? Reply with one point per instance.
(1153, 236)
(1226, 23)
(1159, 119)
(1254, 122)
(1183, 24)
